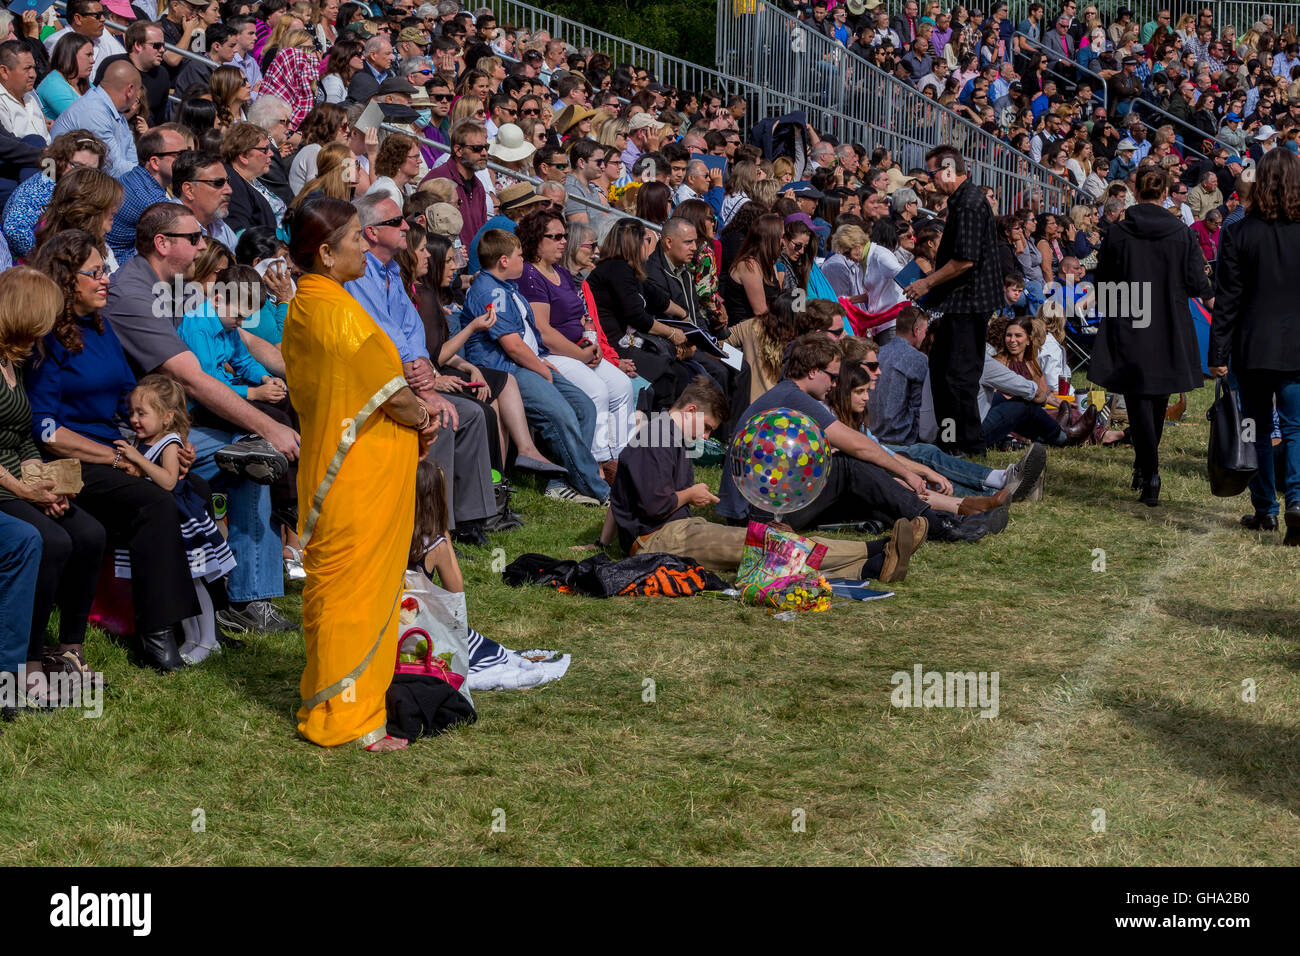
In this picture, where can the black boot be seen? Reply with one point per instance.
(1150, 491)
(971, 527)
(159, 650)
(1259, 522)
(1138, 478)
(1292, 528)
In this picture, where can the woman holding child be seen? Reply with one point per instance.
(362, 429)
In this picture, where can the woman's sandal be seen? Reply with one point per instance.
(70, 662)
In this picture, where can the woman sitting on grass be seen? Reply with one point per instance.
(849, 399)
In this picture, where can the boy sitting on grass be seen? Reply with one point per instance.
(655, 489)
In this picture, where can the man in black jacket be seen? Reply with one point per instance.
(668, 269)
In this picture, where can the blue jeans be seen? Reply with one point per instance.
(259, 573)
(565, 420)
(20, 560)
(967, 477)
(1258, 390)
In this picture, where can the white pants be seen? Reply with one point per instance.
(610, 390)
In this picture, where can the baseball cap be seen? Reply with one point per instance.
(1233, 117)
(643, 121)
(802, 217)
(443, 219)
(1234, 158)
(808, 191)
(395, 84)
(412, 35)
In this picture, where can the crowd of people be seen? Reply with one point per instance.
(254, 284)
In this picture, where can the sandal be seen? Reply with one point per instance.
(293, 567)
(400, 743)
(69, 662)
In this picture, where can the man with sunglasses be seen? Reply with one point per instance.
(200, 182)
(86, 17)
(586, 166)
(144, 45)
(440, 98)
(146, 302)
(411, 42)
(148, 183)
(468, 156)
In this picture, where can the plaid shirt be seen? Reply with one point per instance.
(292, 76)
(969, 234)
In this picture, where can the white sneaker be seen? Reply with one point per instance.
(565, 493)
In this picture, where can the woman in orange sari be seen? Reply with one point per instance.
(363, 431)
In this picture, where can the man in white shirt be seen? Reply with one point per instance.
(20, 110)
(1177, 204)
(87, 18)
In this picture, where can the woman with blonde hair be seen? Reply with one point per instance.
(783, 170)
(598, 121)
(534, 131)
(215, 257)
(495, 70)
(739, 189)
(230, 93)
(468, 107)
(614, 133)
(336, 175)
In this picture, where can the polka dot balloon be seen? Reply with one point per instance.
(780, 460)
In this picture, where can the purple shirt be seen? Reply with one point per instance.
(566, 302)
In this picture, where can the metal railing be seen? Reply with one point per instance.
(1182, 128)
(1061, 66)
(862, 103)
(1238, 13)
(668, 70)
(437, 147)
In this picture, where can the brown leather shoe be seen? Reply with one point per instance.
(1080, 430)
(975, 504)
(902, 545)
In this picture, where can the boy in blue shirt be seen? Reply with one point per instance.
(212, 333)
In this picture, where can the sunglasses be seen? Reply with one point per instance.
(476, 149)
(442, 97)
(833, 376)
(555, 236)
(872, 366)
(268, 149)
(193, 238)
(214, 183)
(531, 113)
(395, 221)
(158, 46)
(96, 14)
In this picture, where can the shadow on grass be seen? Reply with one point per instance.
(1269, 622)
(1254, 759)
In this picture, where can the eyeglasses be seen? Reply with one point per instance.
(214, 183)
(799, 246)
(265, 148)
(94, 274)
(555, 236)
(193, 238)
(395, 222)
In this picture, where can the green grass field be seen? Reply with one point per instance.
(767, 742)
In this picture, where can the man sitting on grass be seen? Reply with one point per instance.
(861, 485)
(655, 489)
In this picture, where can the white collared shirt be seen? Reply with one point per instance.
(25, 117)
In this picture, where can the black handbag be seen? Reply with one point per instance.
(1231, 460)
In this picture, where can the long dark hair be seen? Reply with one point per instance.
(430, 508)
(625, 241)
(63, 60)
(440, 250)
(853, 375)
(803, 265)
(1275, 195)
(61, 258)
(762, 244)
(653, 201)
(777, 328)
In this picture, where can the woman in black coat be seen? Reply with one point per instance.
(1148, 350)
(627, 306)
(1257, 327)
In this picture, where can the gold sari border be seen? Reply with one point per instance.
(349, 439)
(373, 737)
(350, 678)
